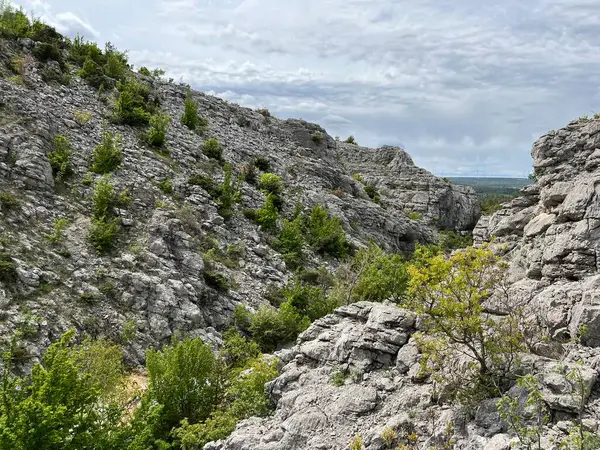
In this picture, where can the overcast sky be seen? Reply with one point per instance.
(463, 85)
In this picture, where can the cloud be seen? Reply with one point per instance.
(463, 84)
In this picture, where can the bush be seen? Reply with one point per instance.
(217, 281)
(413, 215)
(264, 112)
(308, 301)
(272, 327)
(448, 292)
(230, 194)
(166, 186)
(373, 193)
(92, 73)
(8, 201)
(181, 378)
(80, 51)
(134, 106)
(350, 140)
(59, 227)
(40, 32)
(190, 117)
(207, 183)
(249, 174)
(325, 234)
(262, 163)
(14, 23)
(103, 234)
(116, 66)
(158, 130)
(291, 243)
(271, 183)
(451, 240)
(108, 155)
(57, 406)
(8, 269)
(317, 137)
(213, 149)
(103, 198)
(267, 216)
(47, 52)
(60, 157)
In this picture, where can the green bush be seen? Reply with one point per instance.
(158, 130)
(308, 301)
(190, 117)
(271, 184)
(291, 243)
(8, 269)
(40, 32)
(317, 137)
(103, 198)
(47, 52)
(325, 234)
(57, 406)
(14, 23)
(350, 140)
(230, 193)
(264, 112)
(8, 201)
(80, 51)
(92, 73)
(116, 66)
(103, 234)
(134, 105)
(182, 378)
(413, 215)
(451, 240)
(249, 174)
(59, 227)
(267, 216)
(272, 327)
(216, 280)
(60, 157)
(166, 186)
(109, 155)
(262, 163)
(213, 149)
(373, 193)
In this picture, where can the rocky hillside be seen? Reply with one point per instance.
(177, 264)
(356, 372)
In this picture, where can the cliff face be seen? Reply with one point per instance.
(154, 281)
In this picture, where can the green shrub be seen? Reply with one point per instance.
(350, 140)
(8, 201)
(109, 155)
(40, 32)
(451, 240)
(134, 105)
(413, 215)
(14, 23)
(92, 73)
(230, 193)
(59, 227)
(291, 243)
(103, 234)
(8, 269)
(264, 112)
(116, 65)
(60, 157)
(47, 52)
(317, 137)
(372, 193)
(357, 177)
(325, 234)
(190, 117)
(181, 378)
(103, 198)
(272, 327)
(262, 163)
(158, 130)
(57, 406)
(166, 186)
(216, 280)
(80, 51)
(144, 71)
(213, 149)
(271, 184)
(267, 216)
(307, 301)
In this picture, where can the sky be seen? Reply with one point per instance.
(465, 86)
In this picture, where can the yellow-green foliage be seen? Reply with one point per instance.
(82, 117)
(356, 443)
(449, 292)
(190, 117)
(325, 233)
(158, 129)
(213, 149)
(267, 216)
(135, 105)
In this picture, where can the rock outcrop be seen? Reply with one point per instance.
(155, 282)
(356, 373)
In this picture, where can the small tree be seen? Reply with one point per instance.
(108, 155)
(190, 117)
(60, 157)
(158, 130)
(460, 339)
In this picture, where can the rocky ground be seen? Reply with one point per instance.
(154, 282)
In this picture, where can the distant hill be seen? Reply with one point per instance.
(492, 185)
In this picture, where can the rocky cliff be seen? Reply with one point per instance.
(155, 280)
(355, 373)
